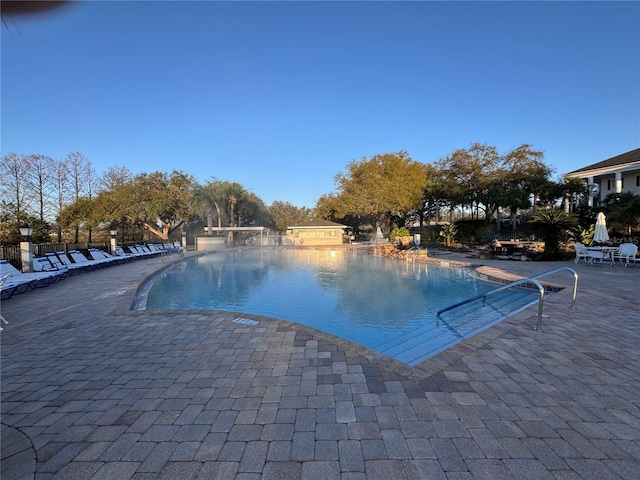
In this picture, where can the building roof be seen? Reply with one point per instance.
(319, 223)
(632, 157)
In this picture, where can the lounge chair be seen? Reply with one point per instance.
(42, 264)
(164, 250)
(18, 282)
(147, 250)
(144, 249)
(102, 256)
(55, 261)
(121, 253)
(2, 280)
(136, 252)
(71, 266)
(626, 253)
(80, 259)
(581, 252)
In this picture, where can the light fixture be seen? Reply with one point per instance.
(26, 230)
(113, 233)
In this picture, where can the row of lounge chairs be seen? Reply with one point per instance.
(54, 267)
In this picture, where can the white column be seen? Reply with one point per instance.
(26, 254)
(590, 191)
(114, 245)
(618, 182)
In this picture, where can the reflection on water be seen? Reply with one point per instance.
(366, 299)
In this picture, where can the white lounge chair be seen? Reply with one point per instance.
(2, 280)
(121, 253)
(626, 253)
(80, 259)
(102, 256)
(18, 282)
(581, 252)
(136, 252)
(43, 264)
(71, 266)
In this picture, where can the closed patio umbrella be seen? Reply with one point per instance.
(600, 234)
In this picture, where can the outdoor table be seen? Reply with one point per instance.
(597, 255)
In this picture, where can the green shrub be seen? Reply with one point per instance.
(399, 232)
(448, 232)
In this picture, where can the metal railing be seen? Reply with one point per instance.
(531, 280)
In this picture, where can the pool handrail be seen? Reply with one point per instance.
(521, 281)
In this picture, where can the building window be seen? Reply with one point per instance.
(637, 180)
(622, 182)
(608, 184)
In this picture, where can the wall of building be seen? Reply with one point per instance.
(630, 183)
(320, 236)
(210, 243)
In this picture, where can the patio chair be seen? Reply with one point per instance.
(626, 253)
(80, 259)
(117, 258)
(145, 250)
(136, 251)
(42, 264)
(71, 266)
(121, 253)
(581, 252)
(2, 280)
(18, 282)
(102, 256)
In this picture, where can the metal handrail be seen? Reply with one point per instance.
(515, 283)
(575, 281)
(483, 296)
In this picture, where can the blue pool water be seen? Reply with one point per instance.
(385, 304)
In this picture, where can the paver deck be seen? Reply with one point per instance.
(93, 390)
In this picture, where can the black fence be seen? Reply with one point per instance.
(12, 254)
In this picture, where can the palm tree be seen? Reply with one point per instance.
(623, 210)
(206, 197)
(553, 224)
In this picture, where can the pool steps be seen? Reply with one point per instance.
(469, 319)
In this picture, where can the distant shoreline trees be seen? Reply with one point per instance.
(66, 199)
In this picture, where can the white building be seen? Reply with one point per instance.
(614, 175)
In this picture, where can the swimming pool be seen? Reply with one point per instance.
(385, 304)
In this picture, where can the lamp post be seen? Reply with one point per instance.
(184, 239)
(26, 248)
(114, 245)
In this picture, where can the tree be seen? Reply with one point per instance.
(438, 194)
(80, 179)
(60, 181)
(114, 177)
(382, 187)
(158, 202)
(38, 180)
(285, 214)
(623, 210)
(573, 191)
(330, 207)
(253, 211)
(207, 198)
(526, 168)
(553, 224)
(469, 172)
(13, 170)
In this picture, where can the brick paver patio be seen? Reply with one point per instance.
(93, 390)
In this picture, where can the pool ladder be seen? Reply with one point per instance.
(531, 280)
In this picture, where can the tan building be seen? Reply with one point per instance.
(614, 175)
(316, 232)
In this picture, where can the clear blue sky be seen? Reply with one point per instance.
(280, 96)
